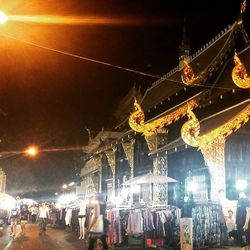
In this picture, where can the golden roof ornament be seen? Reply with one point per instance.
(243, 6)
(239, 74)
(188, 77)
(190, 131)
(137, 119)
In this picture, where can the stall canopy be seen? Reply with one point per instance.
(150, 178)
(28, 202)
(6, 201)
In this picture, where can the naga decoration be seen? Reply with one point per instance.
(212, 145)
(239, 74)
(137, 119)
(188, 77)
(191, 129)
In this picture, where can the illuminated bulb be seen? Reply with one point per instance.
(241, 185)
(192, 186)
(124, 192)
(32, 151)
(136, 189)
(3, 18)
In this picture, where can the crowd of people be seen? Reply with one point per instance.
(23, 213)
(91, 221)
(87, 218)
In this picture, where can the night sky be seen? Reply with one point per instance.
(48, 98)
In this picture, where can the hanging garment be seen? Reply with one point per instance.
(135, 223)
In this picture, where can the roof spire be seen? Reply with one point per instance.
(243, 6)
(184, 46)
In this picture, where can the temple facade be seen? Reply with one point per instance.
(191, 125)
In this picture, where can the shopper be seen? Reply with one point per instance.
(241, 215)
(43, 215)
(34, 212)
(13, 220)
(24, 216)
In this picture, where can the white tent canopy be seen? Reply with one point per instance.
(7, 201)
(149, 179)
(27, 201)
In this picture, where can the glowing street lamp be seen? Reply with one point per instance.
(31, 151)
(64, 186)
(3, 18)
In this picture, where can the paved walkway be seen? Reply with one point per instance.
(55, 239)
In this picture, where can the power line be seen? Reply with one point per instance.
(108, 64)
(84, 58)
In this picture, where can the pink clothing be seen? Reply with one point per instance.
(135, 223)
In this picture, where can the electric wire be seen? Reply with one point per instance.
(84, 58)
(9, 154)
(110, 64)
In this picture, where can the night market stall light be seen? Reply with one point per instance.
(67, 198)
(241, 185)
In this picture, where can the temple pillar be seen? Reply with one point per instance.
(160, 166)
(111, 156)
(160, 191)
(128, 148)
(214, 156)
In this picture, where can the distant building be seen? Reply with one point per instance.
(2, 181)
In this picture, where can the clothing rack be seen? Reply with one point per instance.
(155, 208)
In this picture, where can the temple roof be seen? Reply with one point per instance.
(99, 139)
(126, 104)
(215, 62)
(207, 60)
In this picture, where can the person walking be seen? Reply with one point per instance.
(13, 220)
(34, 212)
(24, 216)
(43, 215)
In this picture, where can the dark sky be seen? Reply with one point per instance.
(49, 98)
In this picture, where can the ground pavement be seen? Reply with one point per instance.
(55, 239)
